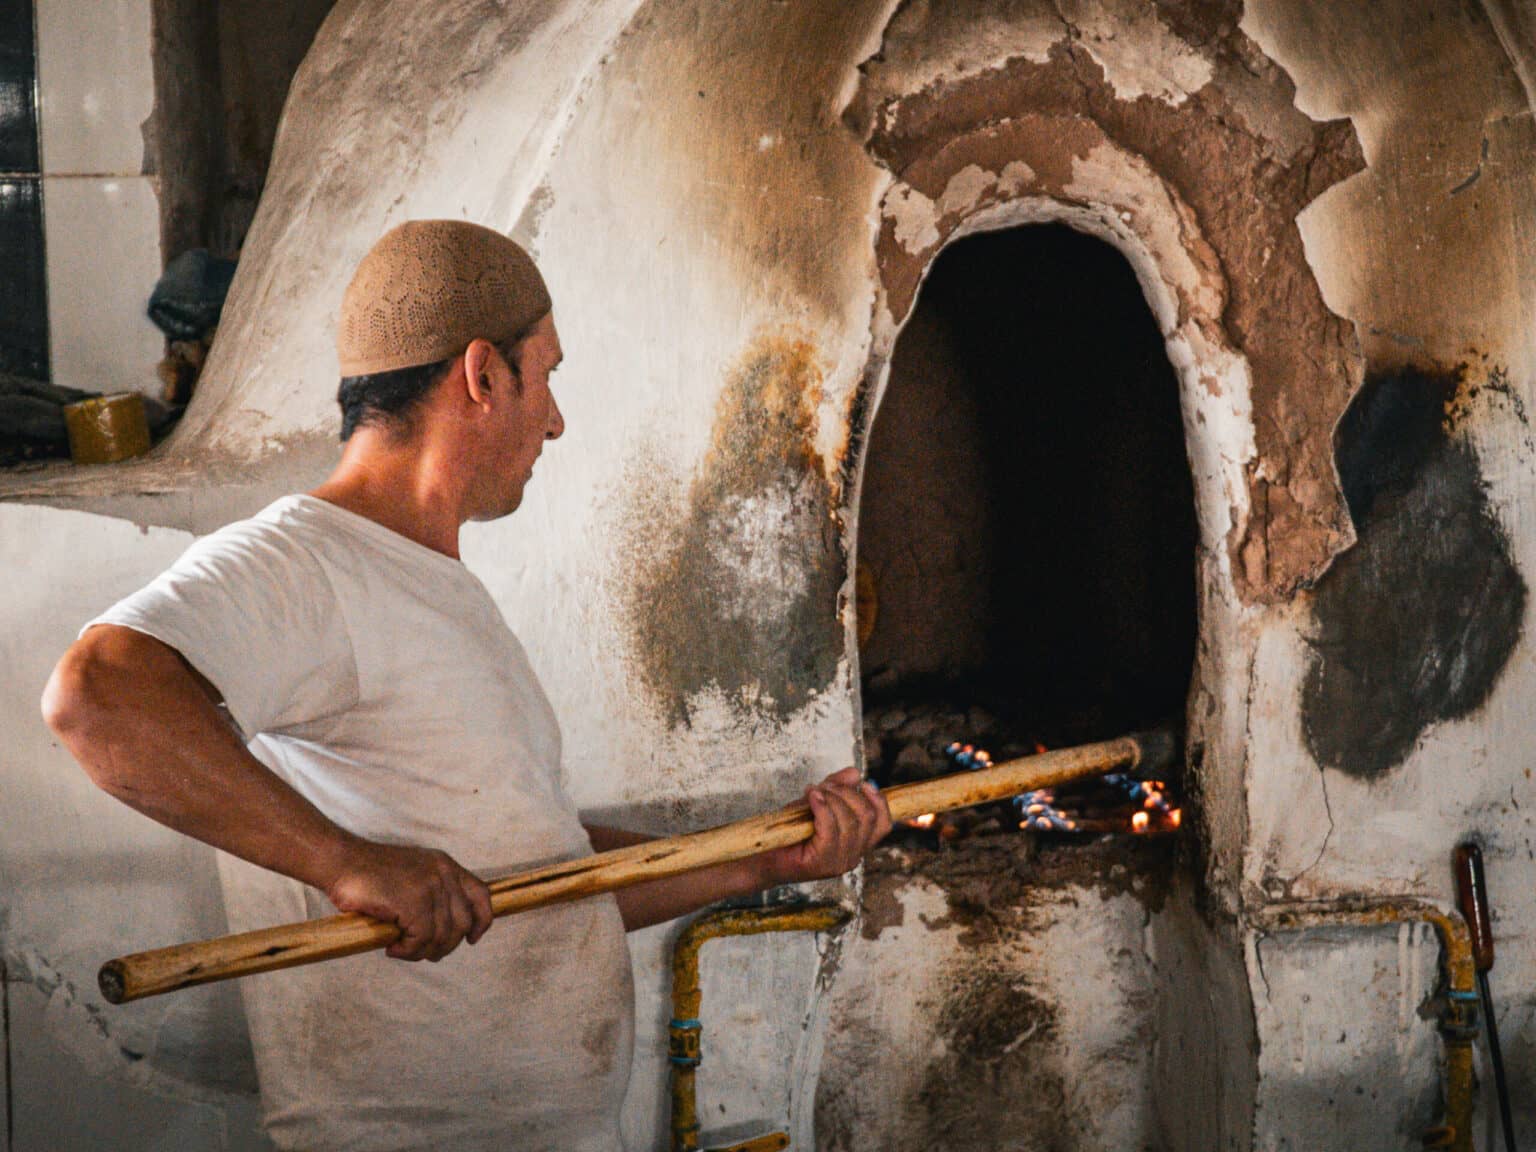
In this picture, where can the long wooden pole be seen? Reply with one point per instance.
(286, 946)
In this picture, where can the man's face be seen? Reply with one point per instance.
(524, 424)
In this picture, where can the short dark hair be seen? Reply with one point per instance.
(386, 399)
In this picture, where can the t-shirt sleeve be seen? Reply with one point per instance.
(254, 612)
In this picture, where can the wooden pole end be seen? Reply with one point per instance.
(112, 980)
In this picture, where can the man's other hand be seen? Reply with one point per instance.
(850, 817)
(435, 902)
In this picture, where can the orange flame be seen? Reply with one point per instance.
(1139, 821)
(924, 821)
(1176, 816)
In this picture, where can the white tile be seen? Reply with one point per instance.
(95, 77)
(103, 240)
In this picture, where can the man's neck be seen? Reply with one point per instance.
(402, 488)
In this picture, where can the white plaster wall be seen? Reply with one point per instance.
(101, 217)
(1069, 1064)
(1349, 1058)
(1428, 275)
(83, 878)
(374, 134)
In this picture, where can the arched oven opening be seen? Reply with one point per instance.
(1027, 534)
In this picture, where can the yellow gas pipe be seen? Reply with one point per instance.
(1459, 1024)
(683, 1045)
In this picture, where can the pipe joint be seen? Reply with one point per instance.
(1461, 1021)
(683, 1043)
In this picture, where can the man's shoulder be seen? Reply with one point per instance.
(296, 518)
(285, 532)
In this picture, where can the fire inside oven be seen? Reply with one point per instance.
(1027, 534)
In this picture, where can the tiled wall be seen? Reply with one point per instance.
(101, 224)
(23, 294)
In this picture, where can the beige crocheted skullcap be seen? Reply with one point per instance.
(428, 288)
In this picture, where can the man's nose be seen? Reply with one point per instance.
(556, 422)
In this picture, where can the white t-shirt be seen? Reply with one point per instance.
(379, 679)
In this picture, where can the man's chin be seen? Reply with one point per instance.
(500, 513)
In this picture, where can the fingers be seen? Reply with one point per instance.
(436, 903)
(414, 939)
(442, 923)
(850, 817)
(836, 843)
(463, 913)
(882, 825)
(479, 897)
(453, 916)
(872, 811)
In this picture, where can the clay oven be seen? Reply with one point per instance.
(1152, 360)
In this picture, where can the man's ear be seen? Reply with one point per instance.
(477, 371)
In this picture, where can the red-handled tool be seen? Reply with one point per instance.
(1472, 892)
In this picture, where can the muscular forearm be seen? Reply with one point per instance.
(147, 731)
(657, 901)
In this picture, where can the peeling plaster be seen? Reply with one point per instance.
(1139, 53)
(915, 219)
(1245, 222)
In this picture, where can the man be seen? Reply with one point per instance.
(328, 696)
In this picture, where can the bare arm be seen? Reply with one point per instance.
(147, 729)
(850, 818)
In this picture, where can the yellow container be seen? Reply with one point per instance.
(107, 428)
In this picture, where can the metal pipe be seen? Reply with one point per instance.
(683, 1047)
(1458, 1024)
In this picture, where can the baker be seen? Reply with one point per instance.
(328, 696)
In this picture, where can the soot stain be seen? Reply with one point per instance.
(1415, 624)
(998, 1051)
(741, 595)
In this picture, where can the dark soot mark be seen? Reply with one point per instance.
(1415, 623)
(742, 596)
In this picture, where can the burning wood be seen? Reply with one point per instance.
(908, 742)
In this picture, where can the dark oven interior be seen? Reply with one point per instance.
(1027, 534)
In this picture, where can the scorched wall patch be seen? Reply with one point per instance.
(740, 596)
(1417, 621)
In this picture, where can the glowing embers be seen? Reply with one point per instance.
(1115, 803)
(907, 742)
